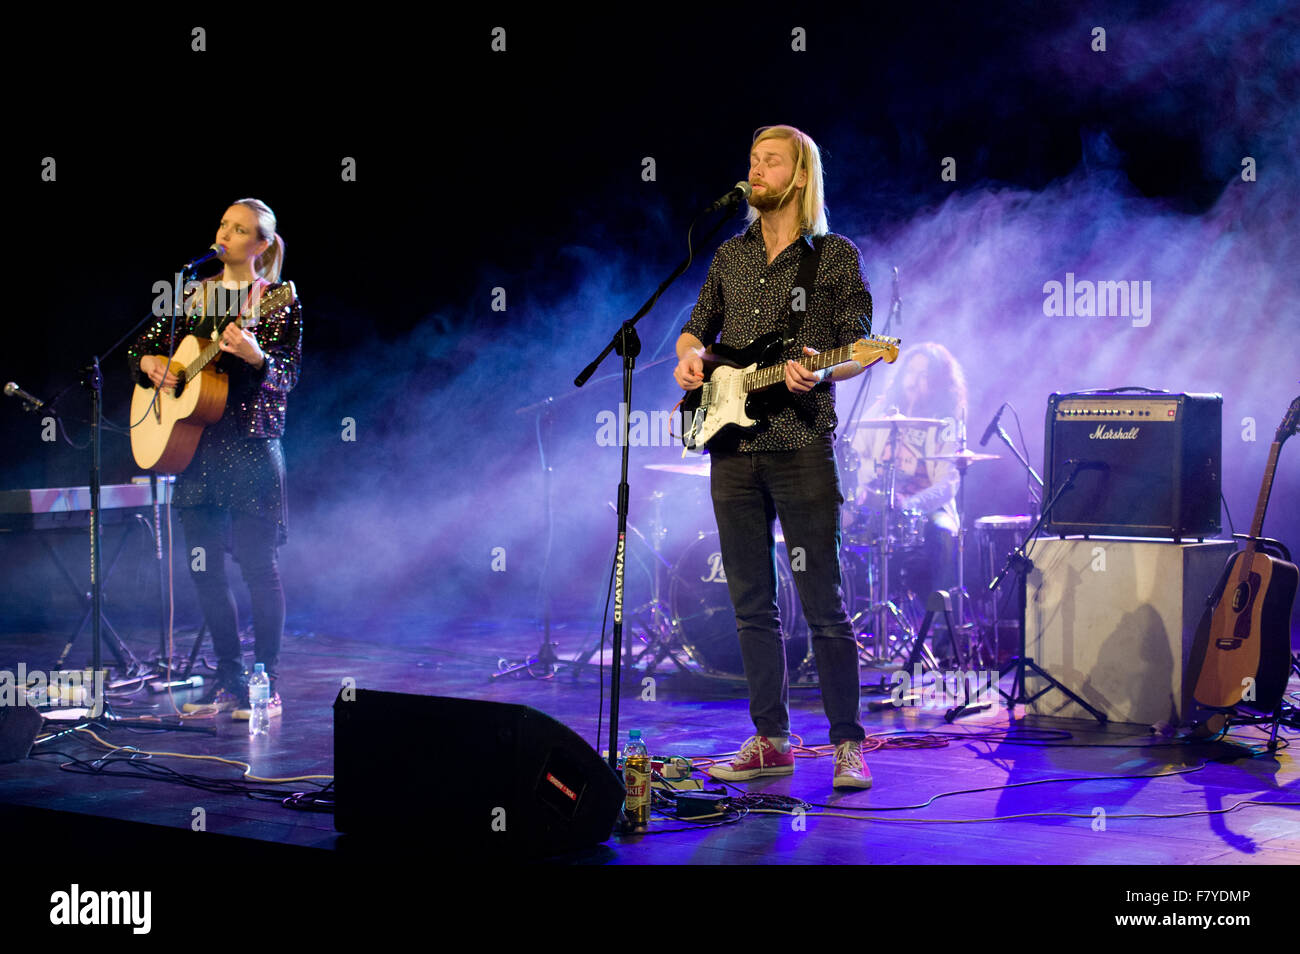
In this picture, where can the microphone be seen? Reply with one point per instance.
(740, 191)
(993, 425)
(213, 251)
(13, 390)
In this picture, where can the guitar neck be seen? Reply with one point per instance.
(774, 374)
(207, 355)
(1265, 491)
(213, 350)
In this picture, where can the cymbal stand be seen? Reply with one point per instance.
(654, 619)
(545, 661)
(884, 607)
(975, 644)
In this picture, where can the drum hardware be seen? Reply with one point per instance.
(893, 529)
(1023, 665)
(962, 460)
(882, 608)
(996, 536)
(651, 622)
(940, 601)
(895, 421)
(704, 620)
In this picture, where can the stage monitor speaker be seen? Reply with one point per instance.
(1149, 464)
(466, 775)
(19, 726)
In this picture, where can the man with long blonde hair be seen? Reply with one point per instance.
(785, 467)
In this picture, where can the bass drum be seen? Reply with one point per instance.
(705, 621)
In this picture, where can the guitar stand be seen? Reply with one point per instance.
(1283, 714)
(1267, 543)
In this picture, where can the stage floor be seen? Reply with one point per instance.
(1081, 814)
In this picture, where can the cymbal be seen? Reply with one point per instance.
(700, 469)
(898, 420)
(968, 456)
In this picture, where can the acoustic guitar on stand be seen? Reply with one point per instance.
(735, 376)
(171, 420)
(1242, 650)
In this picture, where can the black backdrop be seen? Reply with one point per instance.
(522, 171)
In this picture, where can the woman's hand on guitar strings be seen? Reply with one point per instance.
(242, 344)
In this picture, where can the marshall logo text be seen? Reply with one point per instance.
(1104, 433)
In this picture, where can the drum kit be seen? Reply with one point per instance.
(688, 617)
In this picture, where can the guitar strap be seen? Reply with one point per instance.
(804, 279)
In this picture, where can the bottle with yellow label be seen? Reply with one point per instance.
(636, 778)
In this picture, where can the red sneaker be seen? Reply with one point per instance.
(850, 770)
(758, 756)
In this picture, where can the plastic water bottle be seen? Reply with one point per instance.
(636, 778)
(259, 695)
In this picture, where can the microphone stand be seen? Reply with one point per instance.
(93, 380)
(845, 441)
(545, 657)
(1019, 563)
(628, 345)
(1006, 439)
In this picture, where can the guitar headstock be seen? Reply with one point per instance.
(276, 300)
(1289, 423)
(270, 303)
(875, 348)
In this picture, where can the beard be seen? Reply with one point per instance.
(769, 201)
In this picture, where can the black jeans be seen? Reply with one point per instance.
(802, 488)
(252, 541)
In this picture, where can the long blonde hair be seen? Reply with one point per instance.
(812, 204)
(270, 262)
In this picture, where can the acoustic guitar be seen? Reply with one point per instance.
(1244, 637)
(171, 420)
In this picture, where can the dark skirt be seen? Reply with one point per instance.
(239, 473)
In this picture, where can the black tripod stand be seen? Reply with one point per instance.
(1019, 563)
(92, 380)
(546, 659)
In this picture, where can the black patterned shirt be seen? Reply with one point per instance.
(744, 298)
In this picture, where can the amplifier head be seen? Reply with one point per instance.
(1146, 465)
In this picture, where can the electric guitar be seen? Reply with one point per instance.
(730, 394)
(1245, 632)
(171, 420)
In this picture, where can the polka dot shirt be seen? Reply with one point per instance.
(744, 298)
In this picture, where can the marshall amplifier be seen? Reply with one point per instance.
(1147, 465)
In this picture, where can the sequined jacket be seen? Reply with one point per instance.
(257, 396)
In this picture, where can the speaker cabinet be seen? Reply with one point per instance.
(1115, 621)
(19, 726)
(460, 774)
(1148, 465)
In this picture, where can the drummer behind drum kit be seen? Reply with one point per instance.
(697, 622)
